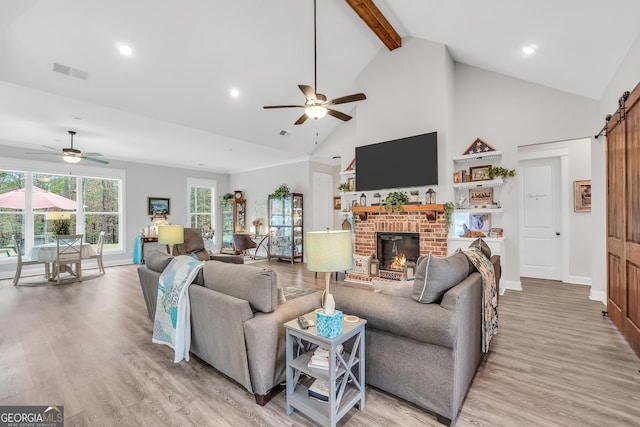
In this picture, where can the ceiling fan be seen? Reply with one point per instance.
(316, 105)
(73, 155)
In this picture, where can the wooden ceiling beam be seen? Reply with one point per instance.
(371, 15)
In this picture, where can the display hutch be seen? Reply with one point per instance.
(234, 220)
(286, 229)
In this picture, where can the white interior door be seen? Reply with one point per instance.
(541, 242)
(322, 201)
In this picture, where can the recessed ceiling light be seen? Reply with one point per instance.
(234, 92)
(529, 49)
(125, 49)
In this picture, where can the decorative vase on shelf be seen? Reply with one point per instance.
(414, 197)
(257, 229)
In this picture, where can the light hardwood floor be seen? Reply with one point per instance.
(555, 362)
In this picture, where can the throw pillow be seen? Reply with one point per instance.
(157, 261)
(396, 288)
(435, 276)
(482, 245)
(360, 264)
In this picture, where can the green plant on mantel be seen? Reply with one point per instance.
(448, 211)
(344, 187)
(494, 172)
(414, 192)
(377, 195)
(394, 201)
(280, 192)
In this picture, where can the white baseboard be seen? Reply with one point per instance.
(514, 285)
(579, 280)
(598, 296)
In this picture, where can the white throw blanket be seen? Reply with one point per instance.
(172, 324)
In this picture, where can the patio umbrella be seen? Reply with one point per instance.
(41, 199)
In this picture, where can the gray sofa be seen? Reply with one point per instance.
(426, 354)
(236, 321)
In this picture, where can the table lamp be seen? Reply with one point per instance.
(170, 235)
(329, 251)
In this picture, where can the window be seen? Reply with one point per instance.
(101, 210)
(202, 208)
(36, 206)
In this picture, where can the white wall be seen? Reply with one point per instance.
(506, 113)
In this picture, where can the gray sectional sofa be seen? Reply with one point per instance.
(236, 321)
(426, 354)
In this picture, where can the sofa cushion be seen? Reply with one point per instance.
(435, 276)
(256, 285)
(396, 288)
(482, 245)
(157, 261)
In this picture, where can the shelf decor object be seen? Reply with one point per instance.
(431, 197)
(170, 235)
(478, 147)
(329, 251)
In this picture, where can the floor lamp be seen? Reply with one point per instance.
(170, 235)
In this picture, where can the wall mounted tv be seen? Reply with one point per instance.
(400, 163)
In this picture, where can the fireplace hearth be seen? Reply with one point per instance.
(397, 252)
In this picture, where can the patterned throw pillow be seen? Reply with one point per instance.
(435, 276)
(360, 264)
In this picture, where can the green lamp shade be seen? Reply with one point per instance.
(329, 251)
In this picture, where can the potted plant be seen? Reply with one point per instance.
(414, 195)
(376, 198)
(448, 211)
(394, 201)
(226, 198)
(280, 192)
(499, 171)
(257, 223)
(344, 187)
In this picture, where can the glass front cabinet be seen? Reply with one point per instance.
(285, 227)
(234, 220)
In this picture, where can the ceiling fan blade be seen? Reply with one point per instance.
(348, 98)
(267, 107)
(104, 162)
(92, 154)
(302, 119)
(43, 154)
(338, 115)
(308, 92)
(51, 148)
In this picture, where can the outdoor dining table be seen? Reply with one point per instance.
(49, 252)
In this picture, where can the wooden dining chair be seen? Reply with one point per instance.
(98, 255)
(69, 253)
(23, 260)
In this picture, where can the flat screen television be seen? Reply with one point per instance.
(400, 163)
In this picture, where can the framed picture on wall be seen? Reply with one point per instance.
(158, 205)
(337, 203)
(479, 173)
(582, 195)
(351, 182)
(480, 196)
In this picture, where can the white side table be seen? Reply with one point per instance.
(350, 370)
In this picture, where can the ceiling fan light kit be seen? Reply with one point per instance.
(71, 159)
(73, 155)
(316, 104)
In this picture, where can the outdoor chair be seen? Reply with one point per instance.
(69, 253)
(22, 260)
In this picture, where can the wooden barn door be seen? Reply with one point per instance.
(623, 218)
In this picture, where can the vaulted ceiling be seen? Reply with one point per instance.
(169, 103)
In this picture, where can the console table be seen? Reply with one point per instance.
(351, 368)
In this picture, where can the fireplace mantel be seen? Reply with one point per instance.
(429, 210)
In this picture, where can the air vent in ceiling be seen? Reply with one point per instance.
(283, 132)
(69, 71)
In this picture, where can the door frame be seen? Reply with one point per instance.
(563, 155)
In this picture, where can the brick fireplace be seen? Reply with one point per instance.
(426, 220)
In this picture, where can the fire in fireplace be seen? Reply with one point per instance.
(396, 249)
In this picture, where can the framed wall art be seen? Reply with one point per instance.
(337, 203)
(158, 206)
(480, 196)
(582, 195)
(480, 222)
(479, 173)
(351, 182)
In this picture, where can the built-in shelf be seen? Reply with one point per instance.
(479, 210)
(489, 155)
(477, 184)
(349, 193)
(351, 172)
(471, 239)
